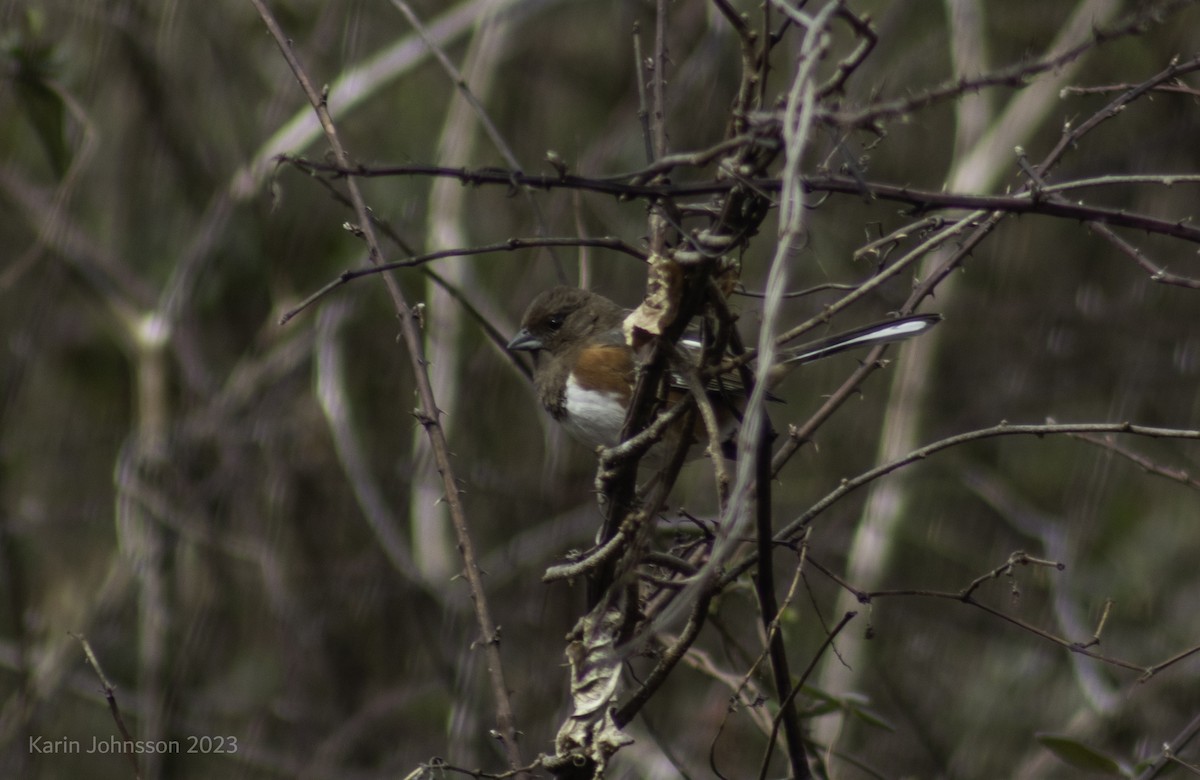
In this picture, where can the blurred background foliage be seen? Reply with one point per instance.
(216, 501)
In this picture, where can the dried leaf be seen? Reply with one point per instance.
(590, 731)
(660, 307)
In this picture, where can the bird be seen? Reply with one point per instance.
(585, 371)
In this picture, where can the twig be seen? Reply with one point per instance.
(792, 530)
(511, 245)
(799, 686)
(843, 287)
(111, 697)
(1147, 465)
(845, 68)
(1067, 644)
(966, 596)
(1179, 89)
(735, 21)
(700, 394)
(658, 121)
(627, 711)
(428, 413)
(1157, 273)
(1005, 570)
(1095, 640)
(772, 629)
(1072, 135)
(588, 563)
(1182, 739)
(764, 586)
(460, 83)
(643, 111)
(1150, 671)
(1020, 203)
(1038, 190)
(1016, 75)
(485, 119)
(494, 335)
(883, 245)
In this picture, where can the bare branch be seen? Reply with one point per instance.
(428, 413)
(792, 530)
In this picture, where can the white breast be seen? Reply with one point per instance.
(593, 417)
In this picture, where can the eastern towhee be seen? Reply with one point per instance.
(584, 371)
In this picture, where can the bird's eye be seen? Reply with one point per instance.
(555, 321)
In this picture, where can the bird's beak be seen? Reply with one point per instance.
(525, 341)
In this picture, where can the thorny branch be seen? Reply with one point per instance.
(428, 412)
(920, 200)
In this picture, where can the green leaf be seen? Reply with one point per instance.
(872, 718)
(1080, 756)
(853, 704)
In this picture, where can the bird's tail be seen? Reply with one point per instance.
(884, 332)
